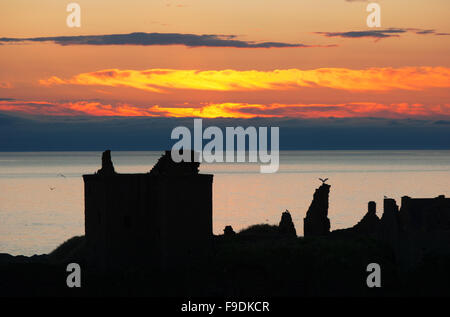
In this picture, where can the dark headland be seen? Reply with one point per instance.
(150, 234)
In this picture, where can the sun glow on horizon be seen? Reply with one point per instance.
(229, 110)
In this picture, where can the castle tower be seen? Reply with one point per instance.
(316, 222)
(159, 219)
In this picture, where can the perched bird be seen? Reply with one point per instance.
(323, 180)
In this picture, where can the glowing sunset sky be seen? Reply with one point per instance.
(231, 59)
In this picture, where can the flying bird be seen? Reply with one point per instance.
(52, 188)
(62, 175)
(323, 180)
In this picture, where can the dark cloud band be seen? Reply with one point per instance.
(148, 39)
(380, 34)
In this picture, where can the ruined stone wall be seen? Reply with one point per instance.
(316, 222)
(186, 218)
(142, 218)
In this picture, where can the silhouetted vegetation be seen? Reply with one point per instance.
(72, 249)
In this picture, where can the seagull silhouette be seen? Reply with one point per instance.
(52, 188)
(323, 180)
(62, 175)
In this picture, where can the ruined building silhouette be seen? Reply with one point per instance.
(421, 226)
(162, 218)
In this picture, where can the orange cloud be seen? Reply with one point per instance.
(163, 80)
(230, 110)
(349, 110)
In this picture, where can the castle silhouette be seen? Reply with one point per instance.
(160, 218)
(150, 234)
(164, 218)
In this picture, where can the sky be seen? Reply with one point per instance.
(279, 62)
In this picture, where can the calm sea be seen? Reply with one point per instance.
(41, 193)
